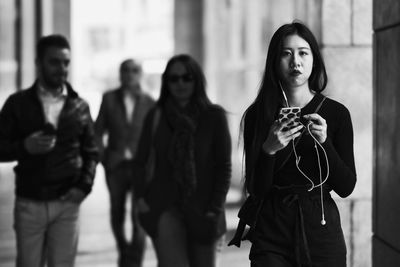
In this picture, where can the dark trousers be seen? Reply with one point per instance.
(271, 259)
(120, 185)
(174, 249)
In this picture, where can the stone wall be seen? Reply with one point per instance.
(347, 50)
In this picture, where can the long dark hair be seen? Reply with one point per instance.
(199, 96)
(269, 97)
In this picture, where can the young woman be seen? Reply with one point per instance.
(291, 172)
(183, 204)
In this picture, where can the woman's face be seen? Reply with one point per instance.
(296, 61)
(180, 83)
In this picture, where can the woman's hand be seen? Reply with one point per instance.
(317, 126)
(278, 139)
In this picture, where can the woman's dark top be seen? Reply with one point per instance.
(212, 157)
(290, 219)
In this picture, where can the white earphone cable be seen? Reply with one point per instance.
(298, 158)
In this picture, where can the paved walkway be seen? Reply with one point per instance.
(96, 245)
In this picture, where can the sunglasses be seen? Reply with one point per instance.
(175, 78)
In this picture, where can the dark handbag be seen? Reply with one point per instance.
(249, 211)
(248, 215)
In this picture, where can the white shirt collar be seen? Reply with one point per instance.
(45, 93)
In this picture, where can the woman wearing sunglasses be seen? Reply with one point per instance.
(183, 203)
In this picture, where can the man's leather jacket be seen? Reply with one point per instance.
(72, 162)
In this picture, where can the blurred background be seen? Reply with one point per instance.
(230, 39)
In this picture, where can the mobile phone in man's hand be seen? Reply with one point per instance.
(49, 129)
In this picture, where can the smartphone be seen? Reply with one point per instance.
(49, 129)
(290, 116)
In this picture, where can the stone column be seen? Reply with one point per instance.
(188, 28)
(347, 50)
(386, 218)
(27, 32)
(8, 54)
(62, 17)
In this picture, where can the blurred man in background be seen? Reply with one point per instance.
(120, 120)
(49, 131)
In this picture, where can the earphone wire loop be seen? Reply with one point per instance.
(299, 169)
(316, 142)
(319, 160)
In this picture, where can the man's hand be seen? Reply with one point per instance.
(142, 206)
(211, 215)
(75, 195)
(39, 143)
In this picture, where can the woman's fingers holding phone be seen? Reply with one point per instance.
(278, 138)
(272, 143)
(315, 118)
(278, 128)
(317, 126)
(293, 133)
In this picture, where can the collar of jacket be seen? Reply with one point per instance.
(71, 93)
(139, 94)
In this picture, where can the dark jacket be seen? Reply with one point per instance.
(112, 120)
(290, 219)
(338, 146)
(213, 172)
(72, 162)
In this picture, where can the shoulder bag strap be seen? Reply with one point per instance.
(156, 119)
(152, 153)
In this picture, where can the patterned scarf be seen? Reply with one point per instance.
(181, 151)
